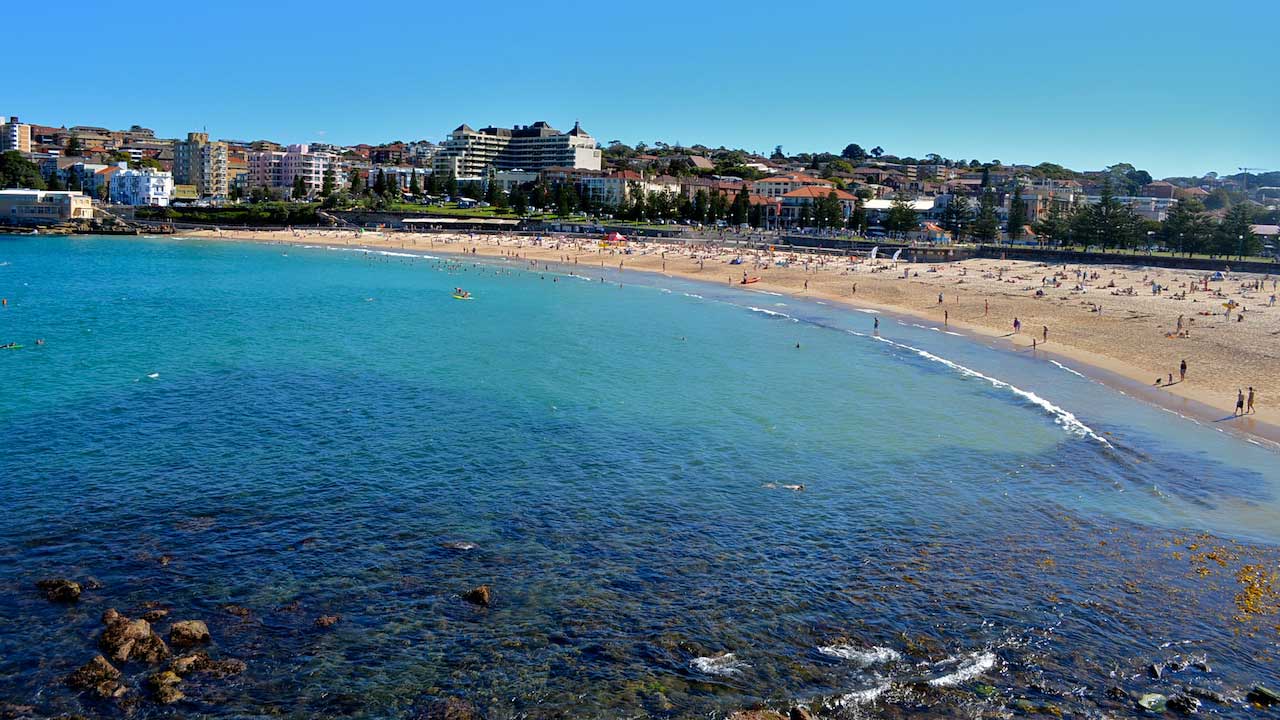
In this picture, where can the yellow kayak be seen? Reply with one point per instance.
(461, 297)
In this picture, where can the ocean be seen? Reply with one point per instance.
(260, 435)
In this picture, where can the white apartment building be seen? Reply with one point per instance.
(279, 168)
(142, 187)
(471, 153)
(15, 136)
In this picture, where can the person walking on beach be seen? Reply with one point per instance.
(986, 307)
(939, 298)
(1239, 402)
(946, 317)
(1249, 409)
(1182, 370)
(1017, 325)
(1046, 333)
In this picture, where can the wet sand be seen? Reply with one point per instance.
(1106, 318)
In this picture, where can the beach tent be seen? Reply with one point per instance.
(615, 237)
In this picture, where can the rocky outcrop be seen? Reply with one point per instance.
(325, 621)
(189, 633)
(97, 676)
(482, 596)
(125, 640)
(761, 714)
(60, 590)
(200, 662)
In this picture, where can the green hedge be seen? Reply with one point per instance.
(274, 214)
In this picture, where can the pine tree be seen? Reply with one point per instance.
(329, 182)
(380, 183)
(1235, 234)
(299, 188)
(519, 201)
(356, 183)
(741, 206)
(451, 185)
(902, 217)
(1188, 228)
(986, 227)
(415, 188)
(1017, 212)
(958, 217)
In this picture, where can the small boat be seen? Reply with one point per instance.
(748, 281)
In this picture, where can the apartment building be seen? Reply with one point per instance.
(470, 153)
(280, 169)
(142, 187)
(780, 185)
(15, 136)
(199, 162)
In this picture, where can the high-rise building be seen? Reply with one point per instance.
(199, 162)
(471, 153)
(279, 169)
(15, 136)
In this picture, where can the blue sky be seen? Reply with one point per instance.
(1173, 87)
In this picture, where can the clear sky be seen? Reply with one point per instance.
(1173, 87)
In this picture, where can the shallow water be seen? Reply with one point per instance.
(298, 430)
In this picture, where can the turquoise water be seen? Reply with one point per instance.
(298, 430)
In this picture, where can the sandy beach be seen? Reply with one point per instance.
(1133, 323)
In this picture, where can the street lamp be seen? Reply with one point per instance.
(1242, 248)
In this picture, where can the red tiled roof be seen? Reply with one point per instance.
(818, 192)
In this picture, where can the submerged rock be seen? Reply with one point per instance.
(325, 621)
(169, 694)
(1263, 696)
(164, 678)
(451, 709)
(1207, 694)
(188, 633)
(125, 640)
(1155, 702)
(60, 590)
(1186, 704)
(1155, 670)
(99, 676)
(481, 596)
(760, 714)
(155, 616)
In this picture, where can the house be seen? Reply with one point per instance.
(794, 202)
(1158, 189)
(43, 207)
(779, 185)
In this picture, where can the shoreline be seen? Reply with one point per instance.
(1197, 403)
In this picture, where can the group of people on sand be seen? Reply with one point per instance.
(1241, 400)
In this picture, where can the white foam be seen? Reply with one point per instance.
(723, 665)
(953, 333)
(867, 311)
(1064, 367)
(768, 312)
(693, 295)
(1061, 416)
(766, 292)
(969, 668)
(862, 656)
(153, 376)
(858, 697)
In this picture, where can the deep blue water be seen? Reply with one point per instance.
(297, 430)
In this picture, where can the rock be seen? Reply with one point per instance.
(125, 640)
(155, 616)
(110, 615)
(99, 676)
(1207, 694)
(1155, 670)
(451, 709)
(1202, 665)
(168, 695)
(188, 633)
(1153, 702)
(757, 715)
(60, 590)
(200, 662)
(481, 596)
(1185, 704)
(1023, 706)
(191, 663)
(984, 690)
(799, 712)
(238, 611)
(325, 621)
(1263, 696)
(164, 678)
(9, 710)
(1115, 692)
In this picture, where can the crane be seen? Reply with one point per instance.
(1245, 179)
